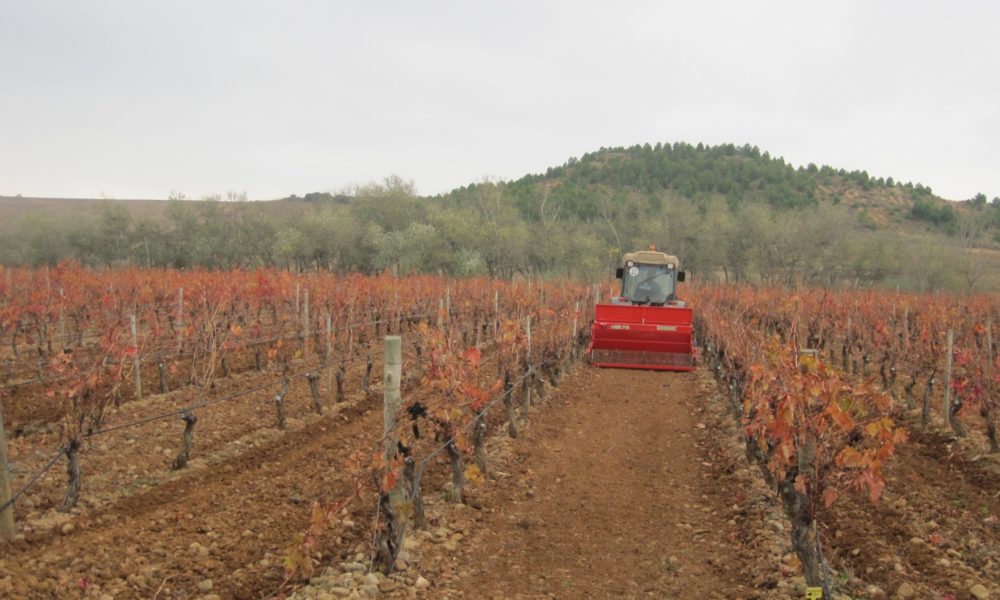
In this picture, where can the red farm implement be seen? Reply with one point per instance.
(646, 327)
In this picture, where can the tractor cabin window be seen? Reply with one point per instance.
(648, 284)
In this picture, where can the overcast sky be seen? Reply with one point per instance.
(136, 98)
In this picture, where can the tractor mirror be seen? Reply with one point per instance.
(681, 275)
(619, 272)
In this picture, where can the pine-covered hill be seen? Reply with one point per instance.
(737, 175)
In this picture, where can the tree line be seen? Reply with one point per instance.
(730, 213)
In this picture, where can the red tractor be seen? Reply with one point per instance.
(646, 327)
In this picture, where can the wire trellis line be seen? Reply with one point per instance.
(24, 488)
(482, 411)
(157, 356)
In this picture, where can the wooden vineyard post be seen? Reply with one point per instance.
(328, 355)
(392, 398)
(847, 347)
(528, 373)
(951, 407)
(161, 369)
(180, 320)
(991, 425)
(906, 326)
(396, 314)
(63, 342)
(447, 302)
(496, 314)
(989, 344)
(305, 325)
(479, 431)
(508, 391)
(597, 294)
(7, 515)
(298, 306)
(576, 310)
(947, 377)
(390, 540)
(135, 362)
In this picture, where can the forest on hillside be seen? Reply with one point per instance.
(730, 213)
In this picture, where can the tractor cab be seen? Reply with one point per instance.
(649, 277)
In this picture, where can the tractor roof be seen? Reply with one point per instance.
(651, 257)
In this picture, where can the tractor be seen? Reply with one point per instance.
(646, 327)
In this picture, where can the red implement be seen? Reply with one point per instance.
(642, 337)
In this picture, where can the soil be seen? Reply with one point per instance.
(616, 494)
(34, 406)
(936, 527)
(622, 484)
(142, 529)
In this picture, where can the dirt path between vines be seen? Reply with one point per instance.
(615, 495)
(625, 484)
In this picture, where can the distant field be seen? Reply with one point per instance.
(13, 207)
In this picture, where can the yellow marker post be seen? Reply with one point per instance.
(814, 593)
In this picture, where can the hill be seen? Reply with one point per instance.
(739, 175)
(731, 212)
(744, 215)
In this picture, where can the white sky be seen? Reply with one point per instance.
(135, 98)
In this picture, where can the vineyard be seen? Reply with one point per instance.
(179, 434)
(829, 386)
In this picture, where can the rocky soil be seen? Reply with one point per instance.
(626, 484)
(623, 484)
